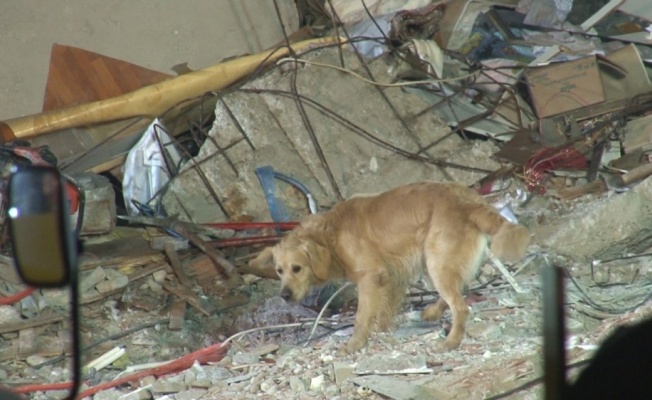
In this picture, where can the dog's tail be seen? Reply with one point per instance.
(509, 241)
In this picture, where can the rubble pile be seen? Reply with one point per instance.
(544, 107)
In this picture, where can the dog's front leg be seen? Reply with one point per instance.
(368, 302)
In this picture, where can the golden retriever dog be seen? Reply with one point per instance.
(383, 242)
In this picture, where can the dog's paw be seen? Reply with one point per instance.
(341, 352)
(432, 313)
(449, 344)
(354, 344)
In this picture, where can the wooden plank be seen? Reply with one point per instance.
(177, 267)
(31, 323)
(130, 250)
(177, 315)
(78, 76)
(151, 100)
(187, 296)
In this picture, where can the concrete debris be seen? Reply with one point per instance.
(626, 215)
(397, 363)
(543, 108)
(395, 388)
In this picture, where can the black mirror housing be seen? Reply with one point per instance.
(39, 227)
(44, 246)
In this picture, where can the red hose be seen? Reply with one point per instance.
(15, 298)
(212, 353)
(241, 226)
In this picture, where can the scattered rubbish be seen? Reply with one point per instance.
(542, 106)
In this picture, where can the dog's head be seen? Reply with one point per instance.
(300, 263)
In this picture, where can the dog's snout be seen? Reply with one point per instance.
(286, 294)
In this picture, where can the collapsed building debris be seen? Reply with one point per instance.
(544, 109)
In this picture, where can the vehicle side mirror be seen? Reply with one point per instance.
(39, 227)
(44, 246)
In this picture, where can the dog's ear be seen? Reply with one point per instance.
(264, 260)
(320, 260)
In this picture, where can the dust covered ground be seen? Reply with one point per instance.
(503, 344)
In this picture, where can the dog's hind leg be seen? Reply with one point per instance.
(450, 290)
(448, 268)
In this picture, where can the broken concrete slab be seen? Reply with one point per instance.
(396, 388)
(354, 161)
(606, 226)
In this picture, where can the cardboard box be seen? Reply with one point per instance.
(565, 86)
(610, 81)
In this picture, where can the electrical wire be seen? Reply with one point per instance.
(369, 81)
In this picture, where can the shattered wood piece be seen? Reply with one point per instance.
(596, 159)
(131, 251)
(26, 343)
(201, 268)
(146, 271)
(508, 276)
(396, 389)
(31, 323)
(577, 191)
(188, 296)
(177, 315)
(622, 181)
(223, 266)
(393, 364)
(639, 173)
(124, 262)
(175, 262)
